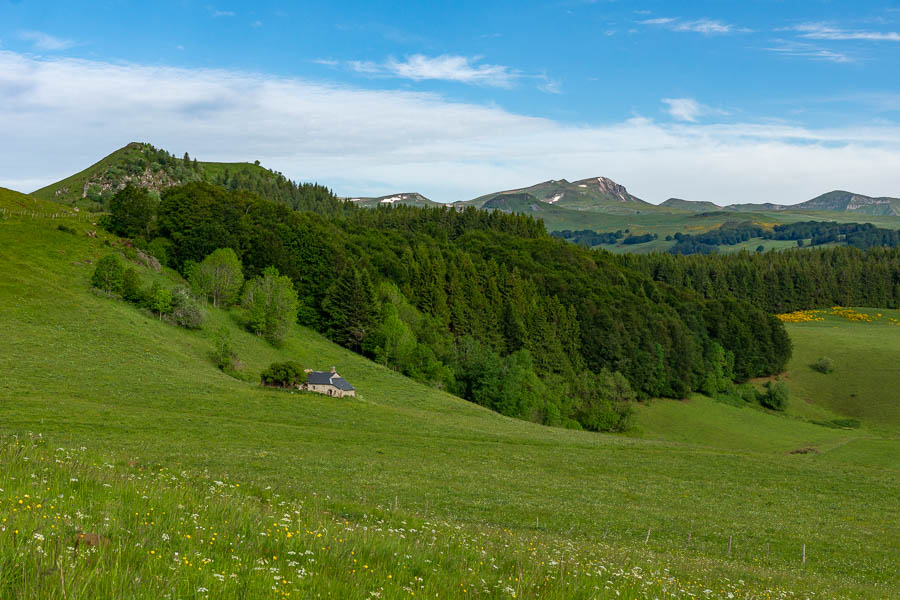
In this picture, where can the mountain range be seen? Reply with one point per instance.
(556, 201)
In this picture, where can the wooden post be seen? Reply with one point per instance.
(688, 543)
(647, 539)
(803, 561)
(729, 545)
(605, 532)
(767, 550)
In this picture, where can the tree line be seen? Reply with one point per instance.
(779, 282)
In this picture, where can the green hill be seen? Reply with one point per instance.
(841, 201)
(155, 169)
(496, 504)
(697, 206)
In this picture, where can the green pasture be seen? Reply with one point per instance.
(87, 371)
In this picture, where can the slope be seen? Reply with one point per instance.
(85, 370)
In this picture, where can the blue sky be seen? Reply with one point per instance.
(722, 101)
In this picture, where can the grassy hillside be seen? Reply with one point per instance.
(558, 513)
(867, 358)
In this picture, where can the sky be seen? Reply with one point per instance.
(744, 101)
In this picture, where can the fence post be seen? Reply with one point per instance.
(647, 539)
(688, 543)
(803, 561)
(729, 545)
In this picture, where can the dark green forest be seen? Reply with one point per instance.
(786, 281)
(484, 304)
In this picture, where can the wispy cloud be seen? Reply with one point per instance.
(222, 13)
(823, 31)
(704, 26)
(69, 113)
(688, 109)
(810, 51)
(45, 41)
(446, 67)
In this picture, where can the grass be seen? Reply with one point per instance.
(83, 370)
(867, 359)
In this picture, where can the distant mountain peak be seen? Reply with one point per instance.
(607, 187)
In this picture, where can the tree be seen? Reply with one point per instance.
(350, 305)
(108, 274)
(159, 300)
(283, 374)
(219, 277)
(132, 211)
(187, 158)
(606, 401)
(271, 305)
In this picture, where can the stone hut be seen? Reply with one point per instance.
(329, 383)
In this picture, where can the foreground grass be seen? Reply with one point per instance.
(163, 534)
(87, 371)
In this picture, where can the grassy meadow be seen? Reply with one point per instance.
(203, 485)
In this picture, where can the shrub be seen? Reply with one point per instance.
(186, 311)
(776, 396)
(108, 274)
(824, 365)
(65, 228)
(131, 287)
(283, 374)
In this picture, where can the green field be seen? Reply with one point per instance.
(500, 508)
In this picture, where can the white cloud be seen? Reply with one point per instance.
(704, 26)
(222, 13)
(446, 67)
(60, 115)
(823, 31)
(45, 41)
(683, 109)
(688, 109)
(804, 50)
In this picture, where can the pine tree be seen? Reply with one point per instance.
(350, 306)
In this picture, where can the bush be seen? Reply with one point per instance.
(824, 365)
(186, 311)
(131, 287)
(284, 374)
(65, 228)
(108, 274)
(776, 396)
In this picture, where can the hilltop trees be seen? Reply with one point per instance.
(271, 304)
(219, 277)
